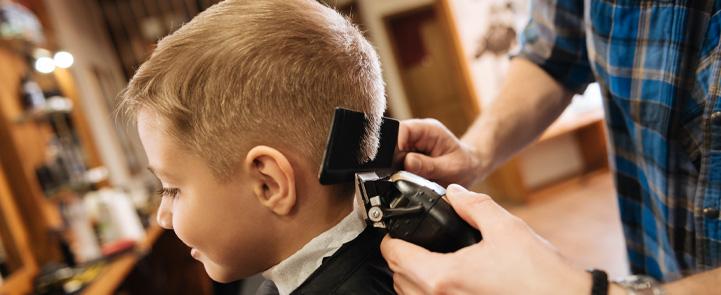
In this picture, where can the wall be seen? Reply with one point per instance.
(373, 13)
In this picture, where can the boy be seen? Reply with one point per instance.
(233, 110)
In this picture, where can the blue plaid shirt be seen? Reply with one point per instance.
(658, 63)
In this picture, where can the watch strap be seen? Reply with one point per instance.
(600, 282)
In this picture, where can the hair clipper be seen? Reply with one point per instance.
(408, 206)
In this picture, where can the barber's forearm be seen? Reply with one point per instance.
(703, 283)
(529, 101)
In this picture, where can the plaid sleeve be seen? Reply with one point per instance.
(554, 39)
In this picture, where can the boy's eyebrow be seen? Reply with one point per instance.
(157, 172)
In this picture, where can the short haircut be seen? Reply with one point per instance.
(243, 73)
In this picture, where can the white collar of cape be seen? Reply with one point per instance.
(290, 273)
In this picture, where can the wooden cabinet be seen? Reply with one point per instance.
(19, 260)
(22, 148)
(32, 228)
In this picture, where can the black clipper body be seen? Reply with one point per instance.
(413, 209)
(408, 206)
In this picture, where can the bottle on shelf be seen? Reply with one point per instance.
(84, 243)
(32, 96)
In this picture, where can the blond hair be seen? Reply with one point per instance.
(243, 73)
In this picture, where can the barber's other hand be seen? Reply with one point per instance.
(433, 152)
(511, 258)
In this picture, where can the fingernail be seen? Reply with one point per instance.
(454, 189)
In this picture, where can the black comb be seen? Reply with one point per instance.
(341, 158)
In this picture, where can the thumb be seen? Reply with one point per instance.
(479, 210)
(422, 165)
(403, 256)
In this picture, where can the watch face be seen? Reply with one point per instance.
(641, 282)
(641, 285)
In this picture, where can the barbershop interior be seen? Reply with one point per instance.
(78, 203)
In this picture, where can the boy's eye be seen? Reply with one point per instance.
(168, 192)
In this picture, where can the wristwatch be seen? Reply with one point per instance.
(640, 285)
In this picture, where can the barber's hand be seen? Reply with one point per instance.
(511, 258)
(433, 152)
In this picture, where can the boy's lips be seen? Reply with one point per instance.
(195, 253)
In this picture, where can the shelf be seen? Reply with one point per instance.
(115, 272)
(54, 105)
(19, 282)
(14, 44)
(92, 179)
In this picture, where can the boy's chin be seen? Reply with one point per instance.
(221, 274)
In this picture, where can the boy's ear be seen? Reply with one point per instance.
(272, 179)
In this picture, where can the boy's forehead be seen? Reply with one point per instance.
(147, 118)
(164, 156)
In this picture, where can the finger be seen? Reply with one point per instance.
(404, 129)
(402, 145)
(444, 169)
(479, 210)
(427, 136)
(422, 165)
(399, 158)
(410, 132)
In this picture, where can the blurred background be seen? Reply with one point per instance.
(77, 203)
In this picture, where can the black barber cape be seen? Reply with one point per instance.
(357, 267)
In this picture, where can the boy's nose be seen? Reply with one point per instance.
(165, 214)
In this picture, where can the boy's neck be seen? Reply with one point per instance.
(319, 209)
(336, 228)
